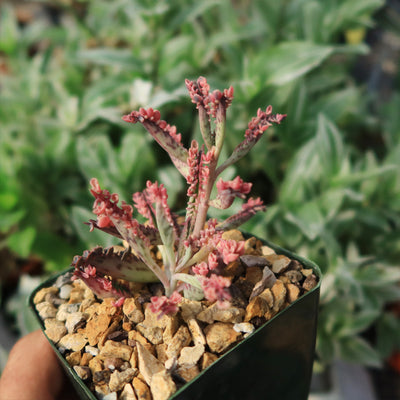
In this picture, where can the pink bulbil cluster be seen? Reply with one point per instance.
(193, 250)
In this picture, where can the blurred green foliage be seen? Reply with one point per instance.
(330, 173)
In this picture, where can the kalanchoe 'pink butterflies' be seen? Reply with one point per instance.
(192, 248)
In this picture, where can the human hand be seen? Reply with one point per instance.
(33, 372)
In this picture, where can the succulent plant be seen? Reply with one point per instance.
(192, 246)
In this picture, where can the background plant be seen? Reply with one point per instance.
(330, 174)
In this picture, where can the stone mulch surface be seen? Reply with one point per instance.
(127, 353)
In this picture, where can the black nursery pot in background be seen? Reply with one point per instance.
(274, 362)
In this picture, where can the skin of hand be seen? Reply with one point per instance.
(33, 372)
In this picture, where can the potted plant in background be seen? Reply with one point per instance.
(189, 307)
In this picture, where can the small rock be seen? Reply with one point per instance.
(207, 360)
(95, 365)
(63, 280)
(280, 264)
(154, 334)
(54, 329)
(127, 393)
(162, 386)
(293, 292)
(148, 364)
(74, 358)
(65, 292)
(161, 351)
(133, 310)
(310, 282)
(188, 372)
(220, 336)
(94, 351)
(110, 396)
(96, 327)
(215, 313)
(101, 377)
(306, 272)
(171, 326)
(252, 261)
(101, 391)
(267, 280)
(244, 327)
(46, 310)
(279, 293)
(141, 389)
(116, 349)
(257, 307)
(73, 341)
(190, 308)
(233, 234)
(267, 251)
(86, 357)
(268, 296)
(191, 355)
(66, 309)
(181, 339)
(75, 321)
(294, 276)
(119, 379)
(135, 336)
(196, 331)
(42, 293)
(83, 372)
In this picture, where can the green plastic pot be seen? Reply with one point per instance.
(275, 362)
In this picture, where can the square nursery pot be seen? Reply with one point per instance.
(273, 362)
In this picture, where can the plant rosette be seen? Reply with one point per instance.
(188, 307)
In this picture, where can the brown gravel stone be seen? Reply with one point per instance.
(257, 307)
(116, 349)
(133, 310)
(83, 372)
(118, 379)
(74, 358)
(207, 360)
(279, 293)
(188, 372)
(135, 336)
(191, 355)
(113, 363)
(196, 331)
(86, 357)
(41, 294)
(280, 264)
(170, 328)
(294, 276)
(96, 327)
(161, 352)
(293, 292)
(310, 282)
(181, 339)
(141, 389)
(74, 321)
(190, 308)
(54, 329)
(148, 364)
(96, 364)
(127, 393)
(220, 336)
(73, 341)
(215, 313)
(162, 386)
(233, 234)
(154, 334)
(46, 310)
(267, 251)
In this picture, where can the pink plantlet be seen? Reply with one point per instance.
(192, 247)
(163, 305)
(230, 250)
(216, 288)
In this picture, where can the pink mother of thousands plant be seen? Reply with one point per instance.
(193, 249)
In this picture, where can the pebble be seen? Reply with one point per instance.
(220, 336)
(42, 293)
(119, 379)
(46, 310)
(141, 389)
(162, 386)
(127, 393)
(191, 355)
(73, 341)
(116, 349)
(94, 351)
(215, 313)
(207, 360)
(74, 321)
(54, 329)
(148, 364)
(65, 292)
(133, 310)
(65, 309)
(83, 372)
(181, 339)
